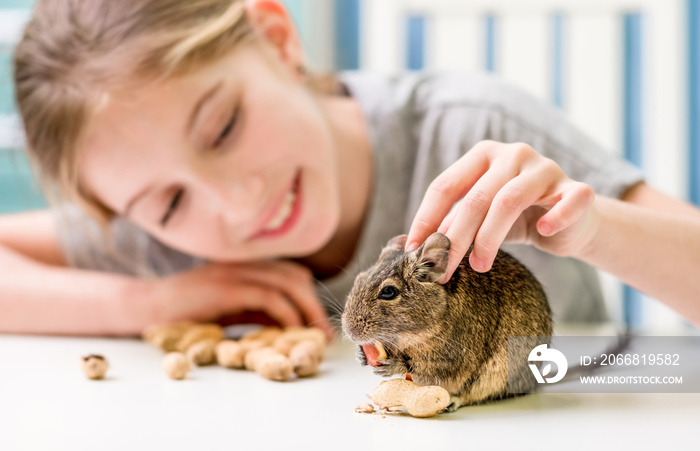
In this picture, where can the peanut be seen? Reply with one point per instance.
(203, 352)
(306, 357)
(266, 335)
(231, 353)
(94, 366)
(200, 332)
(176, 365)
(291, 336)
(269, 363)
(419, 401)
(166, 336)
(365, 407)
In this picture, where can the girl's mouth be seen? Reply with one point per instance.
(287, 213)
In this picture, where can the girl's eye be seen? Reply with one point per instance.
(388, 292)
(228, 128)
(172, 207)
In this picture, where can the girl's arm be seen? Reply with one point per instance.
(32, 234)
(40, 295)
(38, 298)
(651, 242)
(509, 192)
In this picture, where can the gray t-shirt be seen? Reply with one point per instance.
(419, 124)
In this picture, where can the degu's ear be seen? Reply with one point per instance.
(272, 21)
(432, 257)
(395, 244)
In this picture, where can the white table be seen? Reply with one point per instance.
(46, 403)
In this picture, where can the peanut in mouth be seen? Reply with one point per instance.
(374, 352)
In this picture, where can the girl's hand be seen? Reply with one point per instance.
(507, 192)
(282, 290)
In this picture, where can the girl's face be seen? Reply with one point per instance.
(232, 162)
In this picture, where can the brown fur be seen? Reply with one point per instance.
(453, 335)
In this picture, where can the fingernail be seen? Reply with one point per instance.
(477, 264)
(412, 246)
(545, 229)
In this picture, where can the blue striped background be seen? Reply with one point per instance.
(633, 108)
(347, 34)
(490, 43)
(16, 4)
(18, 192)
(694, 98)
(415, 42)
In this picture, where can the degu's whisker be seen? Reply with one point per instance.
(331, 300)
(448, 343)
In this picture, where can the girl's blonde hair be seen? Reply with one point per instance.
(74, 51)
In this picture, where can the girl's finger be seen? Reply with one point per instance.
(266, 300)
(574, 203)
(447, 222)
(297, 285)
(508, 204)
(471, 213)
(444, 191)
(303, 293)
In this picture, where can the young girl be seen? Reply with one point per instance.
(186, 141)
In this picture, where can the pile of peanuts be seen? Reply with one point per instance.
(274, 353)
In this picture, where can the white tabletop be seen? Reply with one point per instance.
(46, 403)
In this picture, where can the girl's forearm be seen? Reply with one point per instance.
(657, 253)
(36, 298)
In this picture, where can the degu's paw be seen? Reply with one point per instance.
(360, 355)
(390, 367)
(454, 405)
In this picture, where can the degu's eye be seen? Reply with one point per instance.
(388, 292)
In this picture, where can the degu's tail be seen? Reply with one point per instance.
(623, 341)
